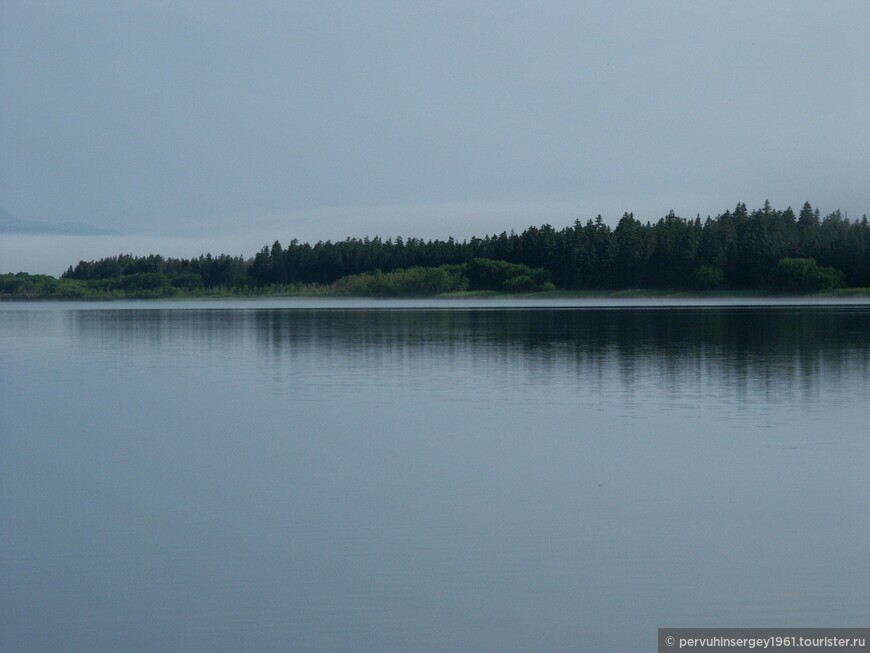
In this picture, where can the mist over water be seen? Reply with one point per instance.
(386, 476)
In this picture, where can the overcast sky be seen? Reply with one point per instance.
(325, 119)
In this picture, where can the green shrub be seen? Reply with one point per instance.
(187, 281)
(707, 277)
(413, 282)
(144, 284)
(805, 275)
(522, 283)
(487, 274)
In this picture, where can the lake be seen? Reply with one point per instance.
(302, 475)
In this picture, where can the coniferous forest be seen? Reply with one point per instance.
(765, 249)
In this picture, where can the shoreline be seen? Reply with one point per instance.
(709, 297)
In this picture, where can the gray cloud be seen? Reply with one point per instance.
(169, 118)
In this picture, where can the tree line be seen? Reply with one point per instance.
(738, 249)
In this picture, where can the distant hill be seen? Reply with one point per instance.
(9, 224)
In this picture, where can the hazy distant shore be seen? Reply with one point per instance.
(761, 251)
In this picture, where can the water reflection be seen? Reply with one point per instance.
(744, 352)
(241, 478)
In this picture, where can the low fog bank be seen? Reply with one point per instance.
(54, 253)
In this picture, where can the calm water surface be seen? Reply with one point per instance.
(428, 476)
